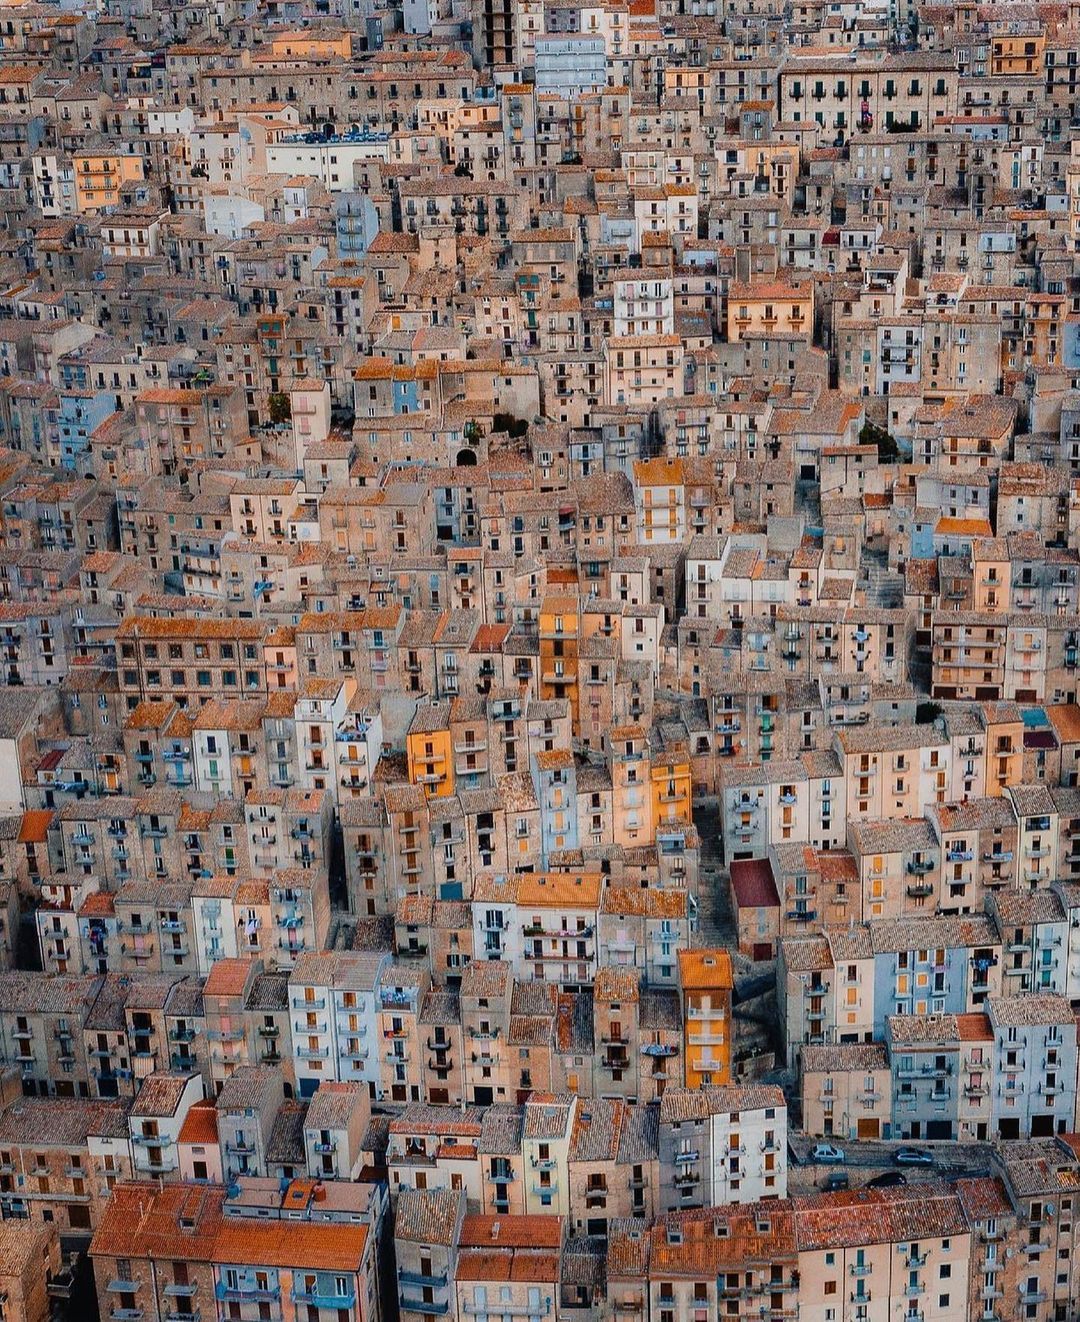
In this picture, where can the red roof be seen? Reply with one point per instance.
(35, 826)
(752, 884)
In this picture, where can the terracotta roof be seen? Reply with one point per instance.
(704, 969)
(200, 1125)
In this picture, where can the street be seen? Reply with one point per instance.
(866, 1158)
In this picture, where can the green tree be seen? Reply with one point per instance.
(888, 450)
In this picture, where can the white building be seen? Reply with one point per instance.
(155, 1121)
(330, 160)
(357, 747)
(217, 929)
(320, 709)
(229, 214)
(570, 64)
(545, 1153)
(643, 307)
(724, 1145)
(335, 1029)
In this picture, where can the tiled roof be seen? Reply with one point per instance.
(429, 1216)
(850, 1218)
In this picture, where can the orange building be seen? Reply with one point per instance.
(303, 45)
(559, 633)
(705, 981)
(1017, 52)
(428, 750)
(99, 177)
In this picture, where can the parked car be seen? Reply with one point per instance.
(913, 1157)
(836, 1180)
(889, 1180)
(826, 1152)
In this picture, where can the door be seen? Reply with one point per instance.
(762, 950)
(869, 1128)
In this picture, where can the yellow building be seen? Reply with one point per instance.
(429, 752)
(670, 782)
(768, 307)
(968, 655)
(705, 981)
(1004, 747)
(100, 176)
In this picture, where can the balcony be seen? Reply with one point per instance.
(159, 1167)
(923, 1071)
(319, 1299)
(244, 1293)
(312, 1053)
(437, 1282)
(152, 1140)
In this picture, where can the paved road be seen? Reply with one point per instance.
(951, 1158)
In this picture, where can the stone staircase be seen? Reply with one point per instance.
(883, 587)
(715, 926)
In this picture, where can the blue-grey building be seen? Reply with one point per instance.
(81, 413)
(940, 965)
(1034, 937)
(924, 1061)
(1034, 1065)
(554, 778)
